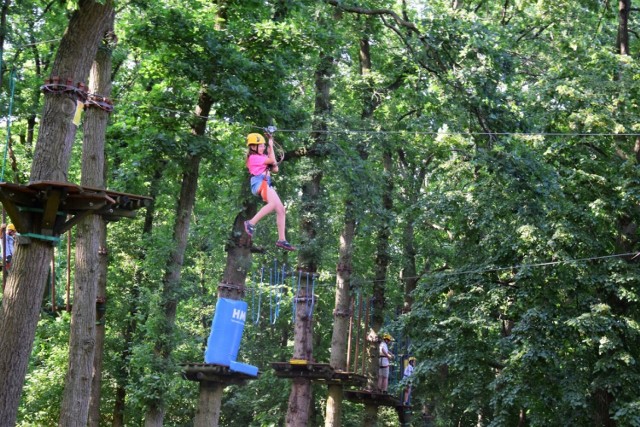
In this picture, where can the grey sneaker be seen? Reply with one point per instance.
(249, 228)
(285, 245)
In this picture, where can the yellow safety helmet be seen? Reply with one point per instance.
(255, 139)
(387, 337)
(412, 359)
(11, 227)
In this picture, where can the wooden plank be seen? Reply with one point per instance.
(312, 371)
(20, 195)
(372, 398)
(84, 201)
(109, 212)
(118, 193)
(58, 185)
(214, 373)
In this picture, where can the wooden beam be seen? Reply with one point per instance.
(52, 203)
(14, 214)
(68, 225)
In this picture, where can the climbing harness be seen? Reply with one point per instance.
(263, 191)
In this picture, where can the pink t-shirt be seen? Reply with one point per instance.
(256, 164)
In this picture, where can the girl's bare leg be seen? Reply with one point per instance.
(274, 204)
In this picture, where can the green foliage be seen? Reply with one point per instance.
(507, 184)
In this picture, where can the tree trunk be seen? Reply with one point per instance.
(382, 264)
(21, 303)
(171, 282)
(94, 159)
(299, 405)
(3, 30)
(624, 7)
(341, 312)
(341, 315)
(235, 274)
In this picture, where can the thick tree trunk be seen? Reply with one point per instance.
(299, 406)
(93, 158)
(171, 282)
(624, 8)
(75, 404)
(382, 264)
(232, 287)
(343, 277)
(3, 29)
(341, 315)
(21, 303)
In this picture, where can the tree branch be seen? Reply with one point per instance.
(406, 24)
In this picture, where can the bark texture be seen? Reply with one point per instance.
(93, 158)
(299, 406)
(21, 303)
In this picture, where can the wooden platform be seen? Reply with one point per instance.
(373, 398)
(213, 373)
(43, 208)
(318, 372)
(310, 370)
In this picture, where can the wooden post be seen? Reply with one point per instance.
(209, 404)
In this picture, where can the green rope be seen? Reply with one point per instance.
(41, 237)
(12, 85)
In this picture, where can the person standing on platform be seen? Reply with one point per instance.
(7, 237)
(385, 357)
(408, 371)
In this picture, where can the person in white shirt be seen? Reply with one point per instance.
(408, 371)
(385, 356)
(8, 233)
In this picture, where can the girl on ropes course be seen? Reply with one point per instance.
(261, 161)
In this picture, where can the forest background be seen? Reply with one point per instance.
(485, 152)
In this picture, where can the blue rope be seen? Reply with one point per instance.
(276, 282)
(313, 297)
(295, 300)
(271, 299)
(259, 292)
